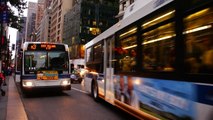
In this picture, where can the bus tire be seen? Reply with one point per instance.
(94, 90)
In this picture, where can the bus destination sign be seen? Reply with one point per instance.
(45, 46)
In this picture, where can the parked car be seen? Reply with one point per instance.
(76, 76)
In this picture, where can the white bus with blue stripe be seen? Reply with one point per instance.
(45, 65)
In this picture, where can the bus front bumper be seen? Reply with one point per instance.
(36, 84)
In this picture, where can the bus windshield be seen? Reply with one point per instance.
(45, 60)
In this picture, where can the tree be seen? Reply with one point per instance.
(14, 20)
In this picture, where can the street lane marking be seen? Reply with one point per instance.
(79, 90)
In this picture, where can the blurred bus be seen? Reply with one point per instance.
(45, 65)
(156, 63)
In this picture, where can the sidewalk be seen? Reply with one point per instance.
(11, 106)
(3, 102)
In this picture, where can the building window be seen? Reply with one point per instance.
(89, 12)
(94, 23)
(88, 22)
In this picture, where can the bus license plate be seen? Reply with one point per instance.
(47, 75)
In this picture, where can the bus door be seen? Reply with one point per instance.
(109, 70)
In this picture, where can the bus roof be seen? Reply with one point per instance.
(132, 13)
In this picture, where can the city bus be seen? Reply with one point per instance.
(157, 62)
(44, 65)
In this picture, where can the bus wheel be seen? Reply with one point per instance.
(95, 90)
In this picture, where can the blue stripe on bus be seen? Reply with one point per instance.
(29, 77)
(205, 94)
(64, 76)
(34, 76)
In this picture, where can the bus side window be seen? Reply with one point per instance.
(158, 49)
(126, 54)
(198, 42)
(207, 56)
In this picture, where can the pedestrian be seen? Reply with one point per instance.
(2, 79)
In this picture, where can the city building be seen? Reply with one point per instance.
(123, 4)
(31, 22)
(84, 21)
(45, 26)
(58, 9)
(39, 16)
(39, 12)
(43, 30)
(47, 3)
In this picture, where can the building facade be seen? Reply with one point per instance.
(47, 3)
(86, 20)
(45, 26)
(58, 9)
(31, 22)
(39, 12)
(123, 4)
(44, 20)
(39, 16)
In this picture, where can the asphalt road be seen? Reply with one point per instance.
(75, 104)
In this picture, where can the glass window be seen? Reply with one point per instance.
(128, 33)
(34, 61)
(95, 58)
(126, 54)
(58, 61)
(126, 50)
(198, 40)
(157, 19)
(98, 52)
(158, 48)
(89, 55)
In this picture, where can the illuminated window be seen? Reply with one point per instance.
(129, 32)
(95, 31)
(157, 19)
(198, 40)
(126, 51)
(94, 23)
(158, 49)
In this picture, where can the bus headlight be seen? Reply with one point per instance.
(28, 84)
(65, 82)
